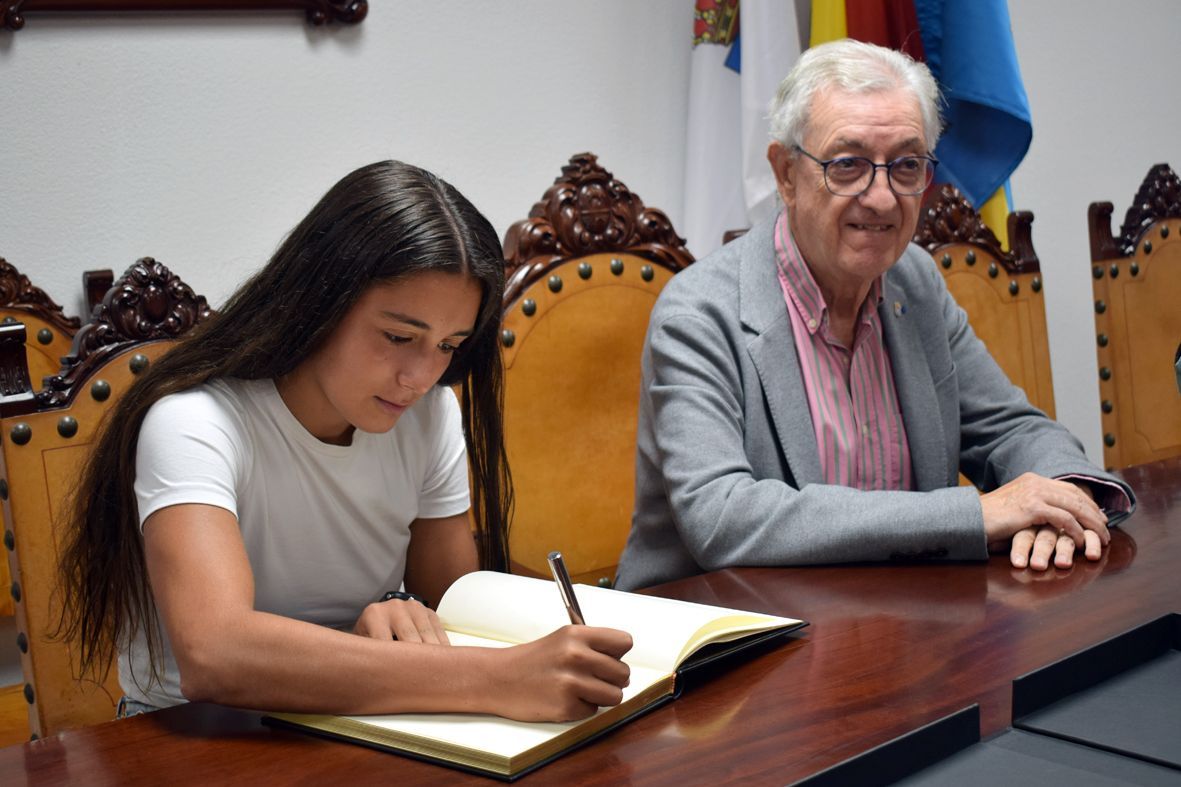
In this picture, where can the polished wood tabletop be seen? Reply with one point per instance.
(889, 648)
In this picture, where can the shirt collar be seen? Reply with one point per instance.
(801, 285)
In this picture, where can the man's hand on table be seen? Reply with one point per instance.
(1040, 518)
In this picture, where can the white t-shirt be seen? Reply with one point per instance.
(326, 527)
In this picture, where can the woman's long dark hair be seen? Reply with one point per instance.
(381, 223)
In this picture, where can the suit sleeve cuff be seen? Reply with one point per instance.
(1108, 496)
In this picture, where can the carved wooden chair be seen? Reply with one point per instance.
(45, 435)
(1136, 279)
(1000, 290)
(584, 271)
(48, 333)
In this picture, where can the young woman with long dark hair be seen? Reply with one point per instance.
(255, 494)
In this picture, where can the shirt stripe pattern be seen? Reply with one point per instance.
(858, 426)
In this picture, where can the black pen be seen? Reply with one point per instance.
(558, 567)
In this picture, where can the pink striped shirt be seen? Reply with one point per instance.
(851, 395)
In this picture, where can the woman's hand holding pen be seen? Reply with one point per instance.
(564, 676)
(403, 620)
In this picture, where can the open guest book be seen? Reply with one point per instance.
(489, 609)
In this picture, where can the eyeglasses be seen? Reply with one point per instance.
(851, 176)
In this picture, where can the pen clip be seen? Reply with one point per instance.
(557, 567)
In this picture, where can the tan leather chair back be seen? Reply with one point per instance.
(584, 272)
(1001, 291)
(1136, 280)
(48, 333)
(45, 436)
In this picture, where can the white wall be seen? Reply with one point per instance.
(1099, 78)
(201, 140)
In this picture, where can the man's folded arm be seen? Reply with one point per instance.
(1002, 435)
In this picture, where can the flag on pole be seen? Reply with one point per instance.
(970, 50)
(713, 148)
(733, 76)
(770, 46)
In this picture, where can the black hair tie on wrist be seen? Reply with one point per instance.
(402, 595)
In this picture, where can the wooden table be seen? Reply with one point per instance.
(890, 648)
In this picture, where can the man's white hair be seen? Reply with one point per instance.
(855, 67)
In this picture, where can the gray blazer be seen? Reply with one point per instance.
(727, 471)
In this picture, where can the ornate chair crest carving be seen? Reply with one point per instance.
(18, 293)
(587, 211)
(949, 218)
(149, 303)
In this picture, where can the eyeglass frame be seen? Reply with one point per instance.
(873, 172)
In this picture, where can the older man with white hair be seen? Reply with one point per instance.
(811, 391)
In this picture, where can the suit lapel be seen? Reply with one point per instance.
(916, 390)
(773, 353)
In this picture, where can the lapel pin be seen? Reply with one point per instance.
(899, 308)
